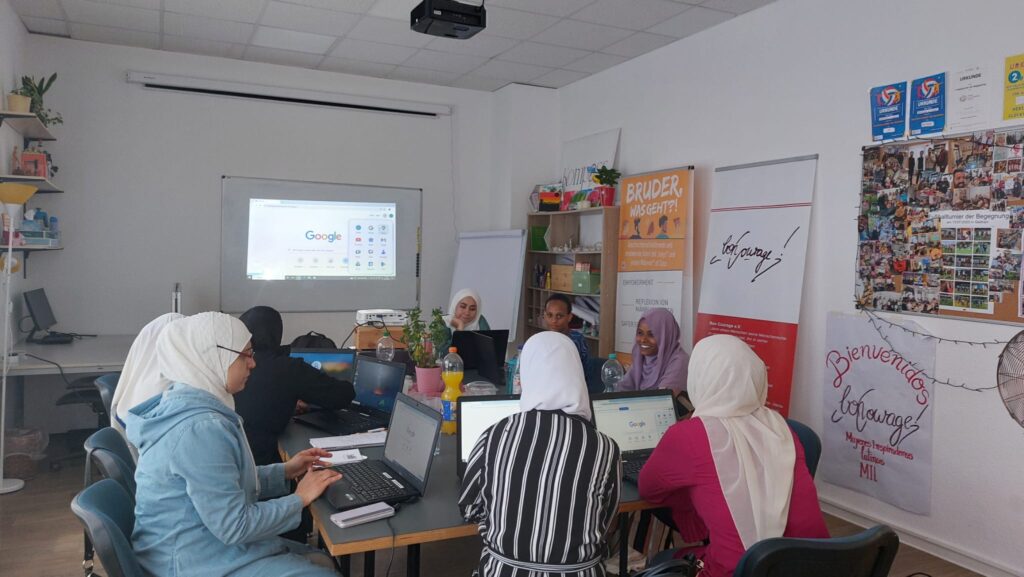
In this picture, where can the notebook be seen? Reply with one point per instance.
(377, 383)
(636, 420)
(476, 415)
(402, 473)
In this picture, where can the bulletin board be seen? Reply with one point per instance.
(939, 227)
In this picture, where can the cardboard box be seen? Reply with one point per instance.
(367, 336)
(586, 282)
(561, 278)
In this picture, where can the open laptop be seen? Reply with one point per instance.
(636, 420)
(402, 473)
(377, 383)
(483, 352)
(42, 319)
(476, 415)
(338, 363)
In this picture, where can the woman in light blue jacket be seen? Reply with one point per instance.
(198, 504)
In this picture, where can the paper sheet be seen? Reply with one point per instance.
(350, 441)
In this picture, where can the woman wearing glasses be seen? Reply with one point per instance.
(202, 506)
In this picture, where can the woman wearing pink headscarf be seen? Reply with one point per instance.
(659, 361)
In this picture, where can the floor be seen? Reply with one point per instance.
(39, 537)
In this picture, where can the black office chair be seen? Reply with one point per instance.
(592, 374)
(106, 385)
(810, 441)
(869, 553)
(107, 451)
(106, 511)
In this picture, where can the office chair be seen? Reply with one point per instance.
(592, 374)
(105, 385)
(107, 451)
(810, 441)
(106, 511)
(869, 553)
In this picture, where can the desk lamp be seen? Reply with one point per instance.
(10, 193)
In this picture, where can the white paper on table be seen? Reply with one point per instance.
(344, 456)
(350, 441)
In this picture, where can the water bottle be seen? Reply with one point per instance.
(385, 348)
(451, 374)
(512, 371)
(611, 373)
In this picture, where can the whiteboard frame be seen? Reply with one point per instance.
(521, 234)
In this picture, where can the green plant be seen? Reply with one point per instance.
(35, 89)
(424, 341)
(607, 176)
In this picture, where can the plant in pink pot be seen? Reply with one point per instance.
(422, 341)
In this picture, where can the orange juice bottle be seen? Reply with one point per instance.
(451, 374)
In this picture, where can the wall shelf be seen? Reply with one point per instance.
(44, 186)
(26, 124)
(572, 212)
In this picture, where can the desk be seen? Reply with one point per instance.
(102, 354)
(435, 517)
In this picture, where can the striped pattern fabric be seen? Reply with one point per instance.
(543, 486)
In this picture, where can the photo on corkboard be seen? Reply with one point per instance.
(1008, 238)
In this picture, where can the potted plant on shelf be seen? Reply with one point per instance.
(34, 90)
(423, 342)
(604, 193)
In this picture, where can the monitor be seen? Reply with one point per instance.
(378, 382)
(39, 309)
(635, 420)
(338, 363)
(476, 415)
(412, 435)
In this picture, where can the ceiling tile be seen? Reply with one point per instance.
(511, 71)
(482, 44)
(735, 6)
(582, 35)
(389, 32)
(632, 14)
(38, 8)
(149, 4)
(207, 28)
(473, 82)
(108, 35)
(595, 62)
(353, 6)
(444, 61)
(690, 22)
(110, 15)
(292, 40)
(637, 44)
(45, 26)
(560, 8)
(372, 51)
(236, 10)
(360, 67)
(516, 23)
(393, 9)
(542, 54)
(421, 75)
(558, 78)
(203, 46)
(284, 57)
(305, 19)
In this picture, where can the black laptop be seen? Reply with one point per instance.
(477, 414)
(377, 383)
(636, 420)
(483, 352)
(402, 473)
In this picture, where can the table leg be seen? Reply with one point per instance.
(369, 563)
(344, 563)
(18, 403)
(623, 544)
(412, 561)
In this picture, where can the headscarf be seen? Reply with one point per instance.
(140, 378)
(665, 370)
(751, 444)
(473, 325)
(266, 327)
(552, 376)
(187, 352)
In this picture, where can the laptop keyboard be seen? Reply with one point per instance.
(370, 483)
(632, 463)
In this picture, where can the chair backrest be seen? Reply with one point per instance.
(108, 451)
(867, 554)
(106, 511)
(592, 373)
(106, 385)
(809, 439)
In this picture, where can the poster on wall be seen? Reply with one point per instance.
(754, 265)
(1013, 88)
(968, 99)
(580, 160)
(878, 412)
(889, 112)
(928, 105)
(638, 292)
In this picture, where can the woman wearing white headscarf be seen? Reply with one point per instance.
(202, 506)
(140, 378)
(734, 473)
(544, 484)
(466, 312)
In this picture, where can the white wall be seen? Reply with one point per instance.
(792, 79)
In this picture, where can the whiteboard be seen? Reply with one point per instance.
(491, 263)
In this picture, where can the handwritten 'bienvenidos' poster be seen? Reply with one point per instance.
(878, 411)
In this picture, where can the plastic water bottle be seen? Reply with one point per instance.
(451, 373)
(385, 348)
(512, 372)
(611, 373)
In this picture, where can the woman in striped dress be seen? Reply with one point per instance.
(544, 484)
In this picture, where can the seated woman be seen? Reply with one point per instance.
(563, 474)
(199, 507)
(268, 401)
(659, 361)
(557, 316)
(733, 474)
(466, 312)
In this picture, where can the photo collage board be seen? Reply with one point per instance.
(940, 225)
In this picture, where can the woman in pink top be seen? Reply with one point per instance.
(734, 474)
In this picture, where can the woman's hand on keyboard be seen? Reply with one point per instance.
(314, 483)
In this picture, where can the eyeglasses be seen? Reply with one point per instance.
(246, 353)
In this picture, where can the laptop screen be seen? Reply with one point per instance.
(636, 423)
(39, 308)
(336, 363)
(411, 437)
(477, 417)
(377, 383)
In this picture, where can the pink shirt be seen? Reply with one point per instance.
(681, 475)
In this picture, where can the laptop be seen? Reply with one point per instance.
(377, 383)
(402, 473)
(483, 352)
(636, 420)
(475, 416)
(42, 319)
(338, 363)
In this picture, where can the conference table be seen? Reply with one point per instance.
(433, 517)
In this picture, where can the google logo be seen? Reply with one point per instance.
(331, 237)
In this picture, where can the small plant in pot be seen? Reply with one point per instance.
(34, 90)
(424, 341)
(604, 193)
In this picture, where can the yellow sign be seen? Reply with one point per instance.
(652, 222)
(1013, 88)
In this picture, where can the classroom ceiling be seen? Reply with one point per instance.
(540, 42)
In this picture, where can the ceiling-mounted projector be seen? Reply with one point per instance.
(449, 18)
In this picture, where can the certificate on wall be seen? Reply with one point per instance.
(1013, 88)
(889, 112)
(928, 105)
(969, 91)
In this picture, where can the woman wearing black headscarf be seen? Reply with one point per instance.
(278, 381)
